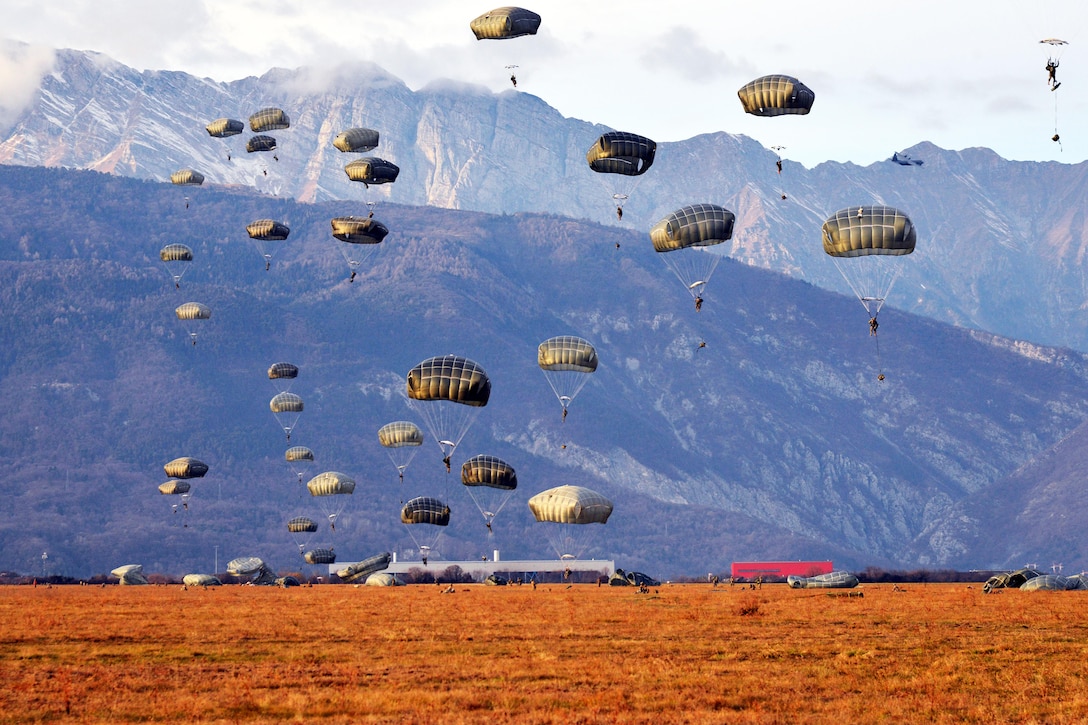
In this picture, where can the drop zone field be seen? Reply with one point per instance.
(688, 653)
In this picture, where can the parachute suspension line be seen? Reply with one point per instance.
(879, 365)
(693, 267)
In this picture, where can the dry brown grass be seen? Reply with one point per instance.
(680, 654)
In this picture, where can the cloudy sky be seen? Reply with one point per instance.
(887, 74)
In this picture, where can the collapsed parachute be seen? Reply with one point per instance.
(566, 361)
(401, 440)
(776, 95)
(360, 570)
(568, 510)
(130, 574)
(448, 392)
(505, 22)
(489, 481)
(621, 155)
(287, 407)
(680, 238)
(831, 580)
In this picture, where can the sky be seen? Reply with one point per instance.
(887, 74)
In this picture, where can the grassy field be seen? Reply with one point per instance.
(937, 653)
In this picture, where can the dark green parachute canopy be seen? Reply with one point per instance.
(366, 567)
(224, 127)
(193, 311)
(356, 140)
(268, 230)
(186, 467)
(400, 433)
(330, 483)
(570, 505)
(489, 471)
(618, 152)
(269, 119)
(776, 95)
(174, 487)
(282, 371)
(863, 230)
(452, 378)
(187, 177)
(176, 253)
(505, 22)
(359, 230)
(298, 453)
(286, 403)
(320, 556)
(425, 510)
(372, 170)
(567, 353)
(696, 225)
(257, 144)
(301, 525)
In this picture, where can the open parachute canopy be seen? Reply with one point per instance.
(489, 471)
(193, 311)
(570, 505)
(282, 371)
(372, 170)
(356, 140)
(449, 378)
(269, 119)
(401, 440)
(359, 230)
(331, 483)
(566, 361)
(187, 177)
(680, 236)
(260, 143)
(225, 127)
(618, 152)
(185, 468)
(294, 454)
(776, 95)
(301, 525)
(425, 510)
(176, 253)
(174, 487)
(320, 556)
(268, 230)
(286, 403)
(505, 22)
(866, 242)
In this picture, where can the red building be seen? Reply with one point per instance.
(752, 569)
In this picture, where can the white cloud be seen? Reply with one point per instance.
(22, 68)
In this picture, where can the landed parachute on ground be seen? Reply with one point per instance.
(619, 157)
(130, 574)
(680, 238)
(831, 580)
(287, 407)
(566, 361)
(356, 140)
(251, 568)
(401, 440)
(567, 511)
(176, 259)
(186, 468)
(363, 569)
(360, 236)
(425, 519)
(490, 481)
(505, 22)
(448, 392)
(201, 580)
(776, 95)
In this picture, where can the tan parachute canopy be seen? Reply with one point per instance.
(776, 95)
(269, 119)
(193, 311)
(356, 140)
(570, 505)
(831, 580)
(282, 371)
(286, 403)
(268, 230)
(301, 525)
(176, 253)
(372, 170)
(330, 483)
(130, 574)
(201, 580)
(619, 152)
(489, 471)
(400, 433)
(864, 230)
(505, 22)
(425, 510)
(695, 225)
(359, 230)
(362, 569)
(225, 127)
(451, 378)
(567, 353)
(174, 487)
(185, 467)
(187, 177)
(298, 453)
(320, 556)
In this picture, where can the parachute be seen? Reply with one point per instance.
(251, 568)
(401, 440)
(621, 155)
(264, 231)
(260, 144)
(187, 177)
(329, 488)
(680, 236)
(865, 243)
(360, 236)
(299, 459)
(568, 510)
(320, 556)
(363, 569)
(489, 481)
(301, 528)
(201, 580)
(224, 127)
(191, 313)
(776, 95)
(433, 515)
(130, 574)
(269, 119)
(448, 393)
(1054, 48)
(186, 468)
(282, 374)
(372, 170)
(286, 407)
(831, 580)
(566, 362)
(356, 140)
(174, 487)
(505, 22)
(176, 258)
